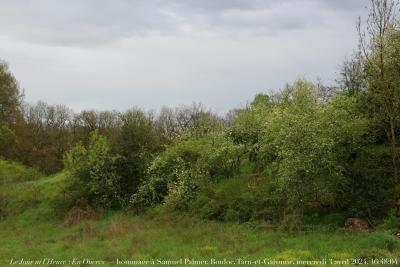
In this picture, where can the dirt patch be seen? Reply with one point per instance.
(77, 214)
(357, 224)
(117, 228)
(84, 231)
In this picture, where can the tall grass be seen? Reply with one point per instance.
(12, 172)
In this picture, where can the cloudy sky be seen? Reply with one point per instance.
(103, 54)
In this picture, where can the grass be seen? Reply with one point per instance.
(15, 172)
(122, 236)
(31, 231)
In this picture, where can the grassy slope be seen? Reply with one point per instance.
(31, 231)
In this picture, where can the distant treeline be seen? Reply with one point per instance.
(40, 134)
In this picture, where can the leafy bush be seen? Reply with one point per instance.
(304, 144)
(242, 198)
(136, 143)
(183, 190)
(392, 222)
(177, 170)
(368, 191)
(94, 180)
(228, 200)
(248, 124)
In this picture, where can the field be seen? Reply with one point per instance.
(31, 231)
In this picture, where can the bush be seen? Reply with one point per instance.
(304, 144)
(239, 199)
(392, 222)
(248, 124)
(136, 143)
(183, 190)
(368, 191)
(94, 180)
(179, 170)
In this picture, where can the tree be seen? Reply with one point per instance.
(94, 179)
(176, 172)
(10, 110)
(10, 96)
(379, 46)
(190, 121)
(303, 144)
(45, 136)
(136, 143)
(248, 123)
(352, 76)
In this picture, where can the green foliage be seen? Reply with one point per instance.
(93, 174)
(12, 172)
(305, 152)
(8, 140)
(246, 128)
(381, 47)
(368, 190)
(10, 111)
(108, 124)
(180, 166)
(10, 96)
(303, 144)
(183, 190)
(136, 143)
(238, 199)
(160, 235)
(248, 124)
(187, 122)
(382, 76)
(391, 222)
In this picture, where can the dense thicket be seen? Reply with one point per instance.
(308, 150)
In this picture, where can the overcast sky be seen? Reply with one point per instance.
(103, 54)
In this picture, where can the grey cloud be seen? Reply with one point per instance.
(209, 6)
(92, 22)
(114, 54)
(345, 5)
(66, 22)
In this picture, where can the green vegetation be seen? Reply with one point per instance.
(11, 172)
(307, 173)
(157, 234)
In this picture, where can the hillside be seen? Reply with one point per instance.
(31, 231)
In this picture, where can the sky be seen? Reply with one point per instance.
(102, 54)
